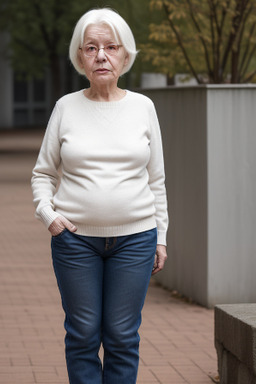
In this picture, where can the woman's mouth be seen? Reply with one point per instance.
(102, 70)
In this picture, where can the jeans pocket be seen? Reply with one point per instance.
(60, 234)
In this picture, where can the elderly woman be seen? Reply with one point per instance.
(106, 210)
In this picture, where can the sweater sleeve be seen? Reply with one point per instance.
(157, 178)
(45, 173)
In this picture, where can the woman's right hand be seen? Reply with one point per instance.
(59, 224)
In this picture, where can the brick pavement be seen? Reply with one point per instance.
(177, 344)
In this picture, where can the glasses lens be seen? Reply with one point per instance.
(92, 50)
(111, 50)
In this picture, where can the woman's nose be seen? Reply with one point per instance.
(101, 55)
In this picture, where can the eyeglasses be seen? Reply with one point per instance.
(92, 51)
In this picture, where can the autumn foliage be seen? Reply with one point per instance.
(213, 40)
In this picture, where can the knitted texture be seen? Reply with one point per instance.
(101, 166)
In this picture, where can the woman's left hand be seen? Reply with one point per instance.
(160, 258)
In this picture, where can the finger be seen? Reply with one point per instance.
(56, 226)
(71, 227)
(159, 265)
(155, 268)
(59, 224)
(155, 271)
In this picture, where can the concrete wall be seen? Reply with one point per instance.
(235, 343)
(153, 80)
(209, 139)
(232, 195)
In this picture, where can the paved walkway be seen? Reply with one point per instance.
(177, 338)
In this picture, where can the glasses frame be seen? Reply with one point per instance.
(98, 49)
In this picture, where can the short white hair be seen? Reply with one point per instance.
(120, 28)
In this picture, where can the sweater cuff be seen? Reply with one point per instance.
(161, 238)
(48, 215)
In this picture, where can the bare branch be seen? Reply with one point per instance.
(200, 36)
(239, 12)
(212, 18)
(214, 22)
(214, 7)
(248, 61)
(240, 36)
(235, 76)
(249, 77)
(247, 48)
(223, 17)
(180, 42)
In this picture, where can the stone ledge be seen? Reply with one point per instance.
(235, 342)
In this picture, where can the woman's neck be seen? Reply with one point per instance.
(104, 94)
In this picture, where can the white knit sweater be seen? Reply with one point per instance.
(101, 166)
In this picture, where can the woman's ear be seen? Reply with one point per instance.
(126, 60)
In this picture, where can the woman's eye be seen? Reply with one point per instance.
(112, 48)
(90, 48)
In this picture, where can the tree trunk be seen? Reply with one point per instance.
(234, 67)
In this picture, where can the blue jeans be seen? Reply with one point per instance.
(103, 284)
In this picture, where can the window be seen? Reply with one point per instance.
(30, 102)
(20, 90)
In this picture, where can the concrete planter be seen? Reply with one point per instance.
(209, 137)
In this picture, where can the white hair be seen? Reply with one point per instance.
(120, 28)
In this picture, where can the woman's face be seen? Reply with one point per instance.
(104, 68)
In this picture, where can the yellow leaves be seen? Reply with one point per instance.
(147, 52)
(156, 4)
(168, 60)
(160, 4)
(178, 14)
(161, 33)
(205, 36)
(206, 33)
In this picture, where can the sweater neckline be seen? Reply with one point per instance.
(105, 104)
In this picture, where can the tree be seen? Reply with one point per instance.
(40, 32)
(215, 40)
